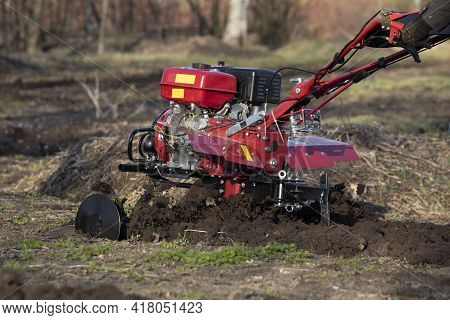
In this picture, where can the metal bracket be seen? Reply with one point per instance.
(307, 124)
(324, 198)
(385, 17)
(245, 123)
(291, 195)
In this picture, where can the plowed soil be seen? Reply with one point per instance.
(13, 287)
(356, 227)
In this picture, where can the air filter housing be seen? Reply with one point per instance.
(252, 84)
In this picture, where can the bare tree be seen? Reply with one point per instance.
(19, 29)
(88, 15)
(120, 97)
(94, 95)
(33, 34)
(62, 19)
(101, 33)
(236, 29)
(155, 10)
(204, 26)
(273, 20)
(6, 27)
(215, 15)
(130, 18)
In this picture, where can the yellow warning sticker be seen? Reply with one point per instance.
(247, 154)
(185, 78)
(177, 93)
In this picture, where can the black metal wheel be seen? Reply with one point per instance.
(101, 217)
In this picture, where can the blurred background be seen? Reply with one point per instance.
(126, 23)
(138, 36)
(64, 122)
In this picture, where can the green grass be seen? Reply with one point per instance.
(30, 244)
(311, 53)
(356, 263)
(129, 268)
(403, 88)
(28, 255)
(68, 243)
(86, 252)
(74, 248)
(71, 248)
(190, 295)
(27, 247)
(13, 266)
(36, 166)
(308, 53)
(185, 258)
(297, 257)
(20, 221)
(128, 207)
(305, 53)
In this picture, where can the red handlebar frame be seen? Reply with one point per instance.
(315, 87)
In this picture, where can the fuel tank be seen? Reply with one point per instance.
(207, 88)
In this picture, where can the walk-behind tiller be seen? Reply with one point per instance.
(228, 124)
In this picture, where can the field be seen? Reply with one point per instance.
(390, 233)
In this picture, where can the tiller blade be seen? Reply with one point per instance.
(101, 217)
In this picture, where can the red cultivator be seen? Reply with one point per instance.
(228, 126)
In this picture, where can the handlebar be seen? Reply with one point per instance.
(381, 31)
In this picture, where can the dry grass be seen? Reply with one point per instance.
(22, 174)
(407, 173)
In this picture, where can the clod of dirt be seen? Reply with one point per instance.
(356, 226)
(12, 287)
(104, 188)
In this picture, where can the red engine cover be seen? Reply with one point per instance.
(204, 87)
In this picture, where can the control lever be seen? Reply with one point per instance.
(414, 52)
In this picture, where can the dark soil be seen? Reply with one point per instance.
(12, 286)
(13, 65)
(356, 227)
(16, 140)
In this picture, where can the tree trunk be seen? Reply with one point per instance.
(33, 34)
(130, 16)
(155, 10)
(236, 29)
(215, 18)
(204, 27)
(123, 16)
(7, 27)
(88, 15)
(101, 33)
(65, 16)
(19, 27)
